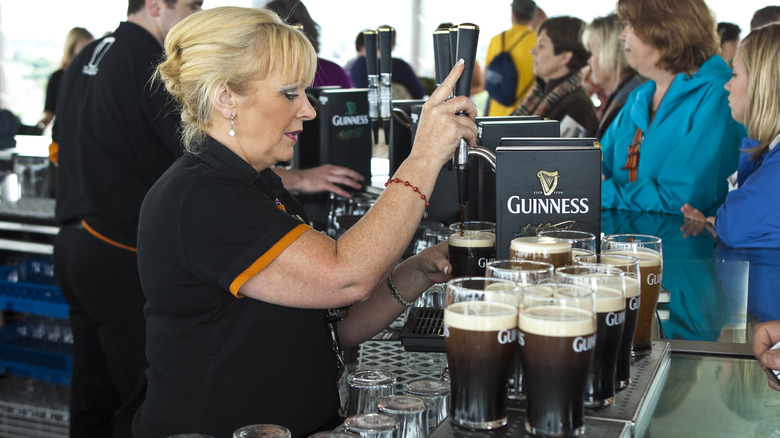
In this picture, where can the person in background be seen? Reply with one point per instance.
(539, 18)
(75, 40)
(238, 330)
(674, 141)
(559, 56)
(750, 216)
(403, 74)
(518, 42)
(765, 336)
(609, 67)
(360, 50)
(729, 39)
(294, 13)
(764, 16)
(116, 133)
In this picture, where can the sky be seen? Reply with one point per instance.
(38, 27)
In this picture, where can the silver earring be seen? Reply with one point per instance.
(232, 131)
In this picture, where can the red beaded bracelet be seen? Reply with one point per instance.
(408, 184)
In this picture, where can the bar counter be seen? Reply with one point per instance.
(712, 385)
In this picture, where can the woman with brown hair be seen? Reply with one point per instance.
(559, 55)
(674, 141)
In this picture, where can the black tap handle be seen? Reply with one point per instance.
(370, 40)
(441, 51)
(468, 35)
(453, 45)
(385, 49)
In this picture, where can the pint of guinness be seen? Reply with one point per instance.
(524, 272)
(480, 336)
(649, 252)
(630, 266)
(609, 285)
(471, 246)
(557, 337)
(544, 249)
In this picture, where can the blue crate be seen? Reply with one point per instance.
(37, 359)
(40, 299)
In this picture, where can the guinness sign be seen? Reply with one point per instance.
(545, 188)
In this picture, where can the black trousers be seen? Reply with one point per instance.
(101, 284)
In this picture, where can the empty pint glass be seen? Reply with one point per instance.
(480, 333)
(649, 252)
(540, 248)
(630, 266)
(610, 297)
(524, 272)
(471, 246)
(557, 334)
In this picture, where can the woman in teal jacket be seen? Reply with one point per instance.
(674, 141)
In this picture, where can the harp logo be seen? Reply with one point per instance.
(548, 181)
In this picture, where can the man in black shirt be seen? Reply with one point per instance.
(116, 136)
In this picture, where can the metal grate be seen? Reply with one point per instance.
(424, 330)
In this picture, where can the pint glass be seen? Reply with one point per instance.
(649, 252)
(471, 246)
(544, 249)
(524, 272)
(480, 333)
(557, 334)
(629, 265)
(610, 287)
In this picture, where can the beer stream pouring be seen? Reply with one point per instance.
(385, 78)
(372, 62)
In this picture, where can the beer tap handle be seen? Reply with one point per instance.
(386, 78)
(453, 45)
(442, 57)
(468, 34)
(466, 49)
(372, 67)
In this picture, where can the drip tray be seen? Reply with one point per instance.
(424, 330)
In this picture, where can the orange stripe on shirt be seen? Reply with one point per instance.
(267, 258)
(106, 239)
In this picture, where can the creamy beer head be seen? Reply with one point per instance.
(557, 321)
(609, 300)
(473, 239)
(632, 286)
(546, 249)
(481, 315)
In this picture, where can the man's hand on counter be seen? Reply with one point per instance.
(320, 179)
(766, 336)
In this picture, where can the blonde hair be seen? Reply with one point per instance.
(229, 47)
(762, 102)
(605, 32)
(75, 36)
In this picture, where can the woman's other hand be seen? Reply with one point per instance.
(432, 262)
(444, 122)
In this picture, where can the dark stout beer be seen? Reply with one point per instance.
(623, 366)
(543, 249)
(470, 253)
(557, 345)
(650, 268)
(610, 318)
(480, 341)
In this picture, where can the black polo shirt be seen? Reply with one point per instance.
(117, 133)
(217, 361)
